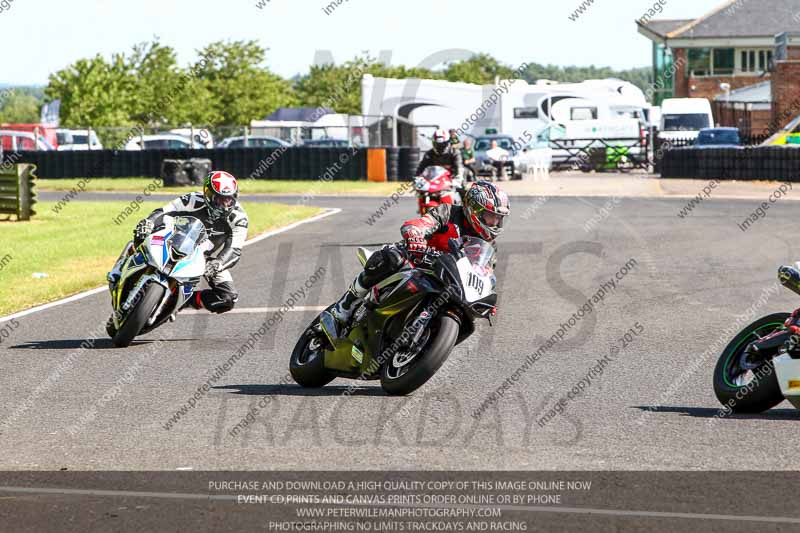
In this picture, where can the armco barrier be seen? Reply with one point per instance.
(259, 163)
(774, 163)
(18, 190)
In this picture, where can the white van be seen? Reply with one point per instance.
(683, 118)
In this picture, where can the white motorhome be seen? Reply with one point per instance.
(592, 109)
(683, 118)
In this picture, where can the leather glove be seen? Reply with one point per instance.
(143, 230)
(416, 246)
(212, 268)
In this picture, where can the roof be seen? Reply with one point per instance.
(299, 114)
(663, 27)
(734, 18)
(758, 93)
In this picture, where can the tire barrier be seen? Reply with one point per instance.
(296, 163)
(177, 172)
(409, 158)
(773, 163)
(393, 163)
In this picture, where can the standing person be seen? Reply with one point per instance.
(469, 161)
(455, 142)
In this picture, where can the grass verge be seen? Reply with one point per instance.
(78, 246)
(311, 187)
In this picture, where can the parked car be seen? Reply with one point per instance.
(326, 143)
(77, 140)
(15, 140)
(717, 137)
(483, 144)
(48, 133)
(683, 118)
(201, 136)
(162, 141)
(257, 141)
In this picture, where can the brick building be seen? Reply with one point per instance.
(741, 43)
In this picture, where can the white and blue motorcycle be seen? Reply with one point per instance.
(157, 278)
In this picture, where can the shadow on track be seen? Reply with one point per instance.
(296, 390)
(83, 344)
(705, 412)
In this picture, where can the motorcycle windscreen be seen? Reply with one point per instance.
(187, 234)
(476, 269)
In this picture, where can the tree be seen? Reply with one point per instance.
(239, 88)
(481, 69)
(641, 77)
(94, 92)
(339, 86)
(19, 107)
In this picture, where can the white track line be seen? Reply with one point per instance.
(98, 290)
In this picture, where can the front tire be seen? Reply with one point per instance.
(730, 379)
(444, 332)
(139, 315)
(307, 363)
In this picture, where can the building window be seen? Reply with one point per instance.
(753, 61)
(526, 112)
(699, 61)
(712, 61)
(724, 61)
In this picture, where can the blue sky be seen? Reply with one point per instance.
(50, 34)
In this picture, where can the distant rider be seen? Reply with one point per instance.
(483, 215)
(217, 207)
(443, 154)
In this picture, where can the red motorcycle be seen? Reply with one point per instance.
(435, 186)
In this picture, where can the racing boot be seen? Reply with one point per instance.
(336, 321)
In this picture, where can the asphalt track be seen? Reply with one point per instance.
(693, 277)
(653, 407)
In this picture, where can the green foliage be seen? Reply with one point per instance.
(227, 85)
(230, 85)
(239, 88)
(338, 87)
(17, 106)
(641, 77)
(481, 69)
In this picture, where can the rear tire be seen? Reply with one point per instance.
(139, 315)
(766, 393)
(307, 366)
(423, 368)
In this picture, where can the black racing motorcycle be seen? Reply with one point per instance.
(408, 324)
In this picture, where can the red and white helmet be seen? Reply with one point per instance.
(486, 207)
(220, 191)
(441, 141)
